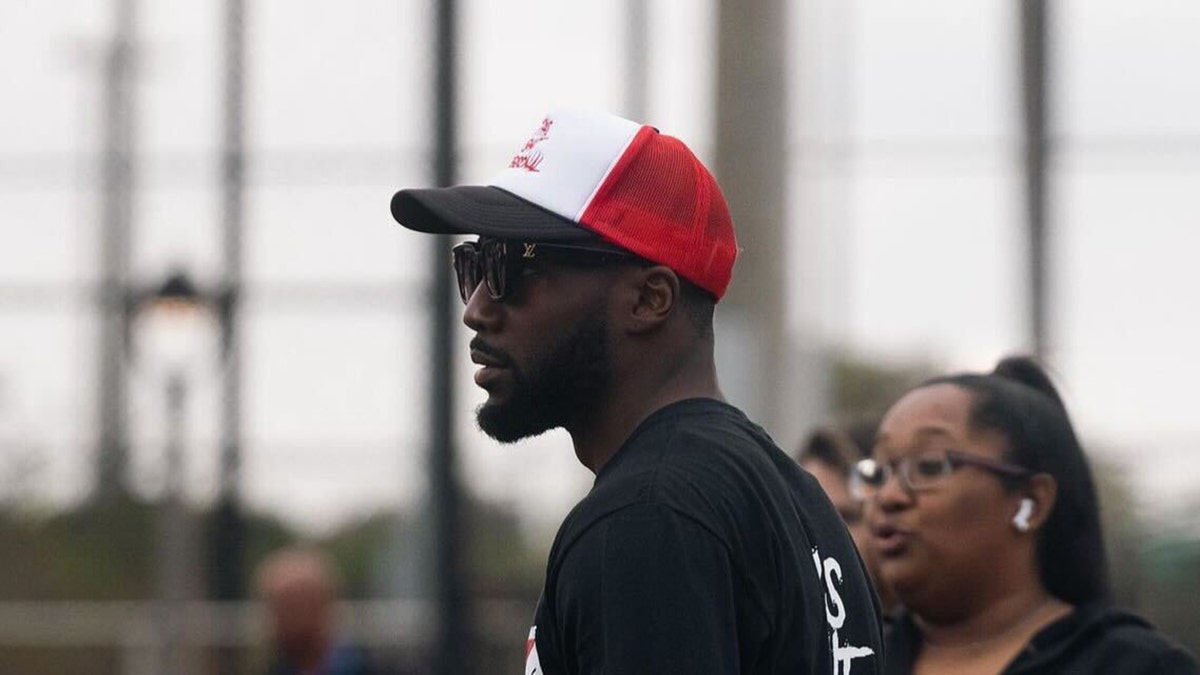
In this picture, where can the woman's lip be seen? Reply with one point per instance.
(892, 545)
(890, 540)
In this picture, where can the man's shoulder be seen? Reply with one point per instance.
(695, 450)
(701, 460)
(703, 433)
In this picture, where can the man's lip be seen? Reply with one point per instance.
(487, 374)
(486, 355)
(493, 360)
(485, 360)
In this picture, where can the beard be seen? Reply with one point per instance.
(564, 381)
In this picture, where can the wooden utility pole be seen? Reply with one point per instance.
(227, 540)
(116, 194)
(452, 649)
(1034, 107)
(751, 166)
(636, 69)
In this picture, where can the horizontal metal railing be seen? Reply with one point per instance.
(142, 630)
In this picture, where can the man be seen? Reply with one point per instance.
(830, 454)
(701, 548)
(298, 588)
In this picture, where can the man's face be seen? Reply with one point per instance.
(566, 373)
(544, 350)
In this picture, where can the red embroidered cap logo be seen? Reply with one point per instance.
(527, 157)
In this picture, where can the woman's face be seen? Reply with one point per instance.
(954, 534)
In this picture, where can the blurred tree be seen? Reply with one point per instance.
(101, 551)
(98, 551)
(356, 549)
(863, 389)
(1172, 564)
(500, 560)
(1170, 561)
(1124, 528)
(381, 554)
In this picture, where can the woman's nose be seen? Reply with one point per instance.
(893, 493)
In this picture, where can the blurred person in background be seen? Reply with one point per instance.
(829, 454)
(299, 589)
(603, 249)
(984, 519)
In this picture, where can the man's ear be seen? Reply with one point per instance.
(656, 294)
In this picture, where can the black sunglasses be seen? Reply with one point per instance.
(499, 264)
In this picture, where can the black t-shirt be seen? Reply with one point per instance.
(703, 548)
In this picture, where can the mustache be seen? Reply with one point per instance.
(478, 345)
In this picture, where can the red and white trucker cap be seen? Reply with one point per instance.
(585, 174)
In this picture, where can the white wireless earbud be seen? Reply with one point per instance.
(1021, 520)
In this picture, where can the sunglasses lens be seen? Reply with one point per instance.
(483, 262)
(495, 257)
(466, 268)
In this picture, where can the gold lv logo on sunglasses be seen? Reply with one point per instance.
(529, 251)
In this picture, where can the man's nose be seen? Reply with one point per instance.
(481, 312)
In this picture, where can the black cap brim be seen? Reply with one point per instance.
(483, 210)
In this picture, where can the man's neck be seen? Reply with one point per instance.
(639, 392)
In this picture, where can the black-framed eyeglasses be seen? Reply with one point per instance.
(924, 471)
(499, 264)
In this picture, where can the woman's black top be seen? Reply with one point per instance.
(1093, 638)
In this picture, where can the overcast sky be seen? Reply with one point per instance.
(906, 236)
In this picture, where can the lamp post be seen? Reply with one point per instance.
(172, 320)
(179, 298)
(173, 539)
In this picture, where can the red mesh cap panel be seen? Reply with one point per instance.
(661, 203)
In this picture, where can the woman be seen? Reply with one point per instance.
(985, 525)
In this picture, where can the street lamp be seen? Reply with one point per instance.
(187, 313)
(172, 323)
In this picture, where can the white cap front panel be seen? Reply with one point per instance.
(566, 159)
